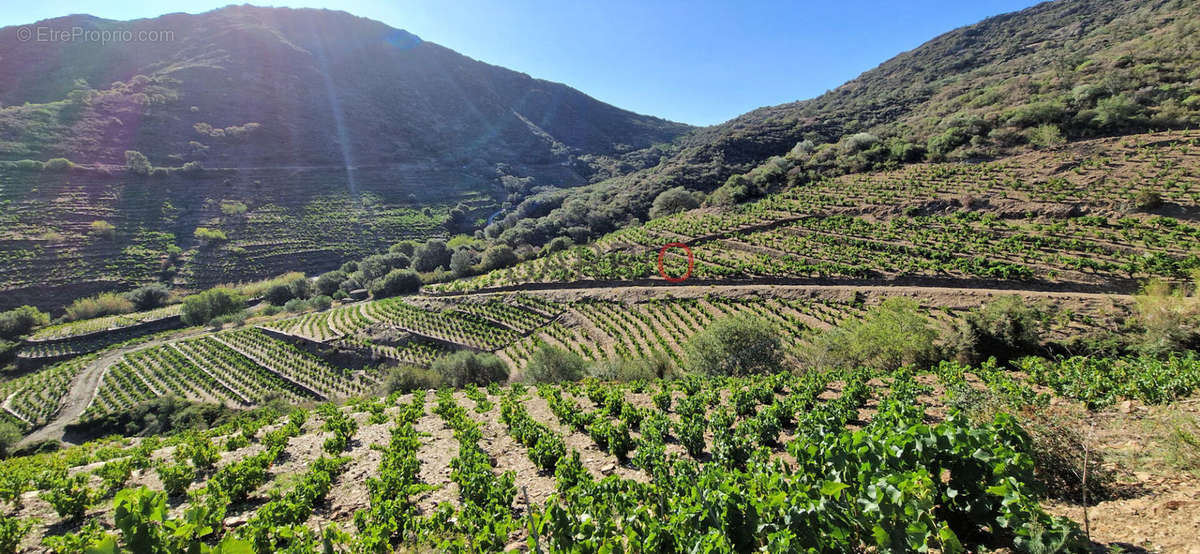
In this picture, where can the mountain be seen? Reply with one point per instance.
(276, 139)
(297, 87)
(1058, 71)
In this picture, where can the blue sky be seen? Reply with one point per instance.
(692, 61)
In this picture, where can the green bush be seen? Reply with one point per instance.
(21, 320)
(327, 283)
(1046, 136)
(209, 236)
(498, 256)
(891, 335)
(431, 255)
(408, 379)
(462, 262)
(57, 164)
(137, 163)
(1005, 329)
(102, 229)
(149, 297)
(295, 286)
(464, 366)
(199, 309)
(102, 304)
(737, 345)
(550, 364)
(399, 281)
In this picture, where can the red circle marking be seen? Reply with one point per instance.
(691, 262)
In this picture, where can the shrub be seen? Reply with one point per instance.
(408, 379)
(550, 364)
(321, 302)
(399, 281)
(557, 244)
(462, 262)
(137, 163)
(657, 365)
(497, 257)
(406, 247)
(892, 335)
(1005, 329)
(233, 208)
(673, 200)
(464, 366)
(204, 307)
(431, 255)
(1167, 317)
(737, 345)
(102, 229)
(1147, 201)
(57, 164)
(149, 297)
(21, 320)
(291, 287)
(10, 435)
(1046, 136)
(209, 236)
(102, 304)
(328, 282)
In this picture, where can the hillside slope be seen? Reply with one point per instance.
(309, 137)
(1064, 70)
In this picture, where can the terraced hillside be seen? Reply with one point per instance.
(561, 467)
(307, 137)
(53, 246)
(1094, 216)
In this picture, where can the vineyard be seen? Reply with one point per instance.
(1044, 219)
(47, 247)
(831, 461)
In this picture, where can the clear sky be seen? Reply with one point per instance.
(699, 62)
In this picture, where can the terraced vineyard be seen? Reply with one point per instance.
(48, 247)
(1058, 219)
(534, 465)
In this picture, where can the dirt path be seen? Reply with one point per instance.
(83, 388)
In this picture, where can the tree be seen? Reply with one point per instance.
(462, 262)
(399, 281)
(137, 163)
(737, 345)
(673, 200)
(201, 308)
(328, 282)
(21, 320)
(406, 247)
(498, 256)
(149, 297)
(431, 255)
(464, 366)
(550, 364)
